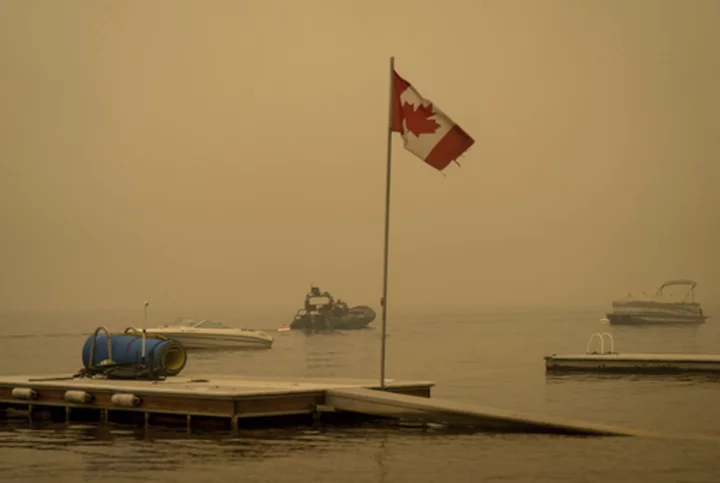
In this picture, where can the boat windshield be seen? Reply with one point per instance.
(210, 324)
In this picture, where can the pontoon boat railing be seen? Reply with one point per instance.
(680, 281)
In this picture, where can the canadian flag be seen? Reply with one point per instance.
(427, 132)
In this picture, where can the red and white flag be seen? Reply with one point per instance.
(427, 132)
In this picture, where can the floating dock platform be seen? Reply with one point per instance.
(612, 362)
(233, 402)
(232, 399)
(634, 363)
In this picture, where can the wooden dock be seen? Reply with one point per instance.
(464, 415)
(233, 402)
(222, 397)
(634, 363)
(613, 362)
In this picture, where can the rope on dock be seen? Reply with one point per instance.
(123, 371)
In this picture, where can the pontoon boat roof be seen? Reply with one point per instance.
(678, 281)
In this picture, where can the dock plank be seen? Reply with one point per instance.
(378, 403)
(207, 386)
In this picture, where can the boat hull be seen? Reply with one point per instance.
(357, 318)
(217, 341)
(655, 319)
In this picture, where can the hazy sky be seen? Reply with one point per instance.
(225, 154)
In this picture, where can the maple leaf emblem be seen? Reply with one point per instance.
(418, 119)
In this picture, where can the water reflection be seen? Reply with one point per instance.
(105, 449)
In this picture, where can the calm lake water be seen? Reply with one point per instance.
(489, 357)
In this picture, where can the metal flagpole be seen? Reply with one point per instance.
(387, 224)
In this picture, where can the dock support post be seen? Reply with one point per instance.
(67, 414)
(147, 419)
(105, 415)
(189, 422)
(234, 422)
(30, 411)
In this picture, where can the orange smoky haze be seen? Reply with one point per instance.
(224, 154)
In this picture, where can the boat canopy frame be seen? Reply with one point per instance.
(680, 281)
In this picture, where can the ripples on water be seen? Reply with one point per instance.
(493, 358)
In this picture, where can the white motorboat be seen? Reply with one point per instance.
(208, 334)
(658, 308)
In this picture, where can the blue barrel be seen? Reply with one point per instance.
(127, 349)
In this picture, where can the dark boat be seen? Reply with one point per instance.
(323, 312)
